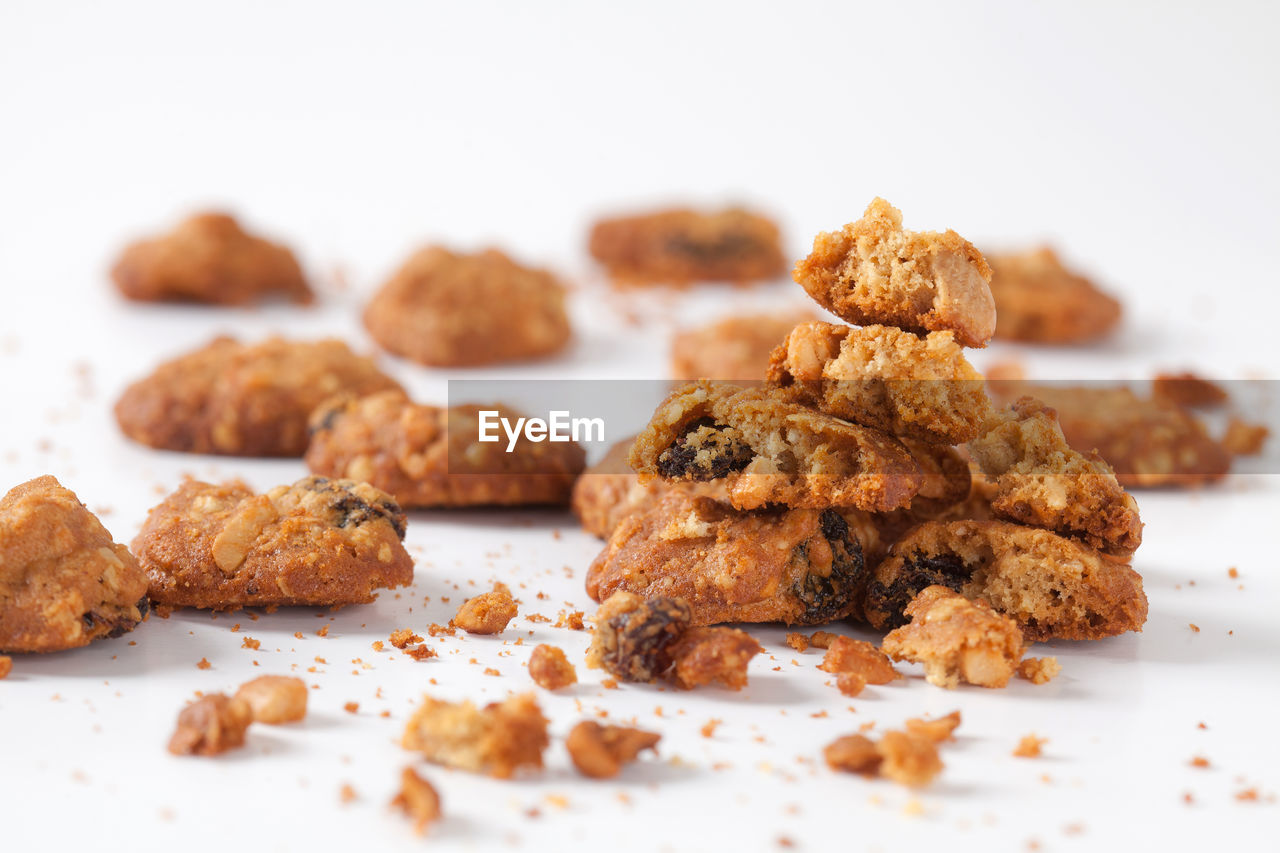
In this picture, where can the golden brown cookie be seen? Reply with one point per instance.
(63, 581)
(884, 378)
(682, 246)
(735, 348)
(316, 542)
(769, 450)
(1055, 588)
(957, 640)
(798, 566)
(430, 456)
(874, 272)
(450, 310)
(1041, 301)
(1041, 481)
(209, 258)
(240, 399)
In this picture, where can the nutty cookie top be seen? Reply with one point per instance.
(243, 399)
(1055, 588)
(1040, 300)
(63, 581)
(430, 456)
(209, 258)
(874, 272)
(448, 310)
(1041, 481)
(885, 378)
(799, 566)
(769, 450)
(316, 542)
(681, 246)
(735, 348)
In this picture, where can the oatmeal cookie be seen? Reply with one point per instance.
(1055, 588)
(431, 456)
(957, 640)
(453, 310)
(874, 272)
(209, 258)
(769, 450)
(734, 348)
(496, 740)
(240, 399)
(63, 581)
(682, 246)
(1041, 301)
(798, 566)
(1041, 481)
(316, 542)
(885, 378)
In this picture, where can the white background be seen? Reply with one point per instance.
(1139, 137)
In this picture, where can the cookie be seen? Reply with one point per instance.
(63, 581)
(209, 259)
(957, 640)
(884, 378)
(798, 566)
(1041, 481)
(872, 272)
(317, 542)
(767, 450)
(1055, 588)
(431, 456)
(735, 348)
(240, 399)
(446, 309)
(1041, 301)
(681, 246)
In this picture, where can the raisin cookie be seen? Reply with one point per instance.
(769, 450)
(1041, 301)
(452, 310)
(63, 581)
(240, 399)
(1041, 481)
(430, 456)
(1055, 588)
(683, 246)
(874, 272)
(317, 542)
(798, 566)
(209, 258)
(885, 378)
(735, 348)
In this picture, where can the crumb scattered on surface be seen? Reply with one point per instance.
(403, 638)
(347, 794)
(957, 640)
(487, 613)
(1029, 746)
(822, 639)
(857, 657)
(421, 653)
(902, 757)
(211, 725)
(251, 643)
(797, 641)
(600, 751)
(496, 740)
(1199, 761)
(713, 655)
(709, 727)
(6, 665)
(275, 699)
(1039, 670)
(550, 669)
(937, 730)
(417, 799)
(351, 707)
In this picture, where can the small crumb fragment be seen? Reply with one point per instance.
(797, 641)
(420, 653)
(1199, 761)
(1029, 746)
(550, 669)
(275, 699)
(403, 638)
(347, 794)
(600, 751)
(1248, 795)
(6, 666)
(901, 757)
(323, 632)
(251, 643)
(850, 684)
(1233, 573)
(417, 799)
(203, 663)
(572, 621)
(822, 639)
(938, 730)
(1039, 670)
(378, 646)
(211, 725)
(709, 727)
(857, 657)
(853, 754)
(708, 655)
(487, 613)
(1195, 629)
(351, 707)
(1187, 389)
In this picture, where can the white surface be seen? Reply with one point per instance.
(1139, 137)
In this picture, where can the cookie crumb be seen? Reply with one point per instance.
(378, 646)
(6, 666)
(421, 653)
(1233, 573)
(1039, 670)
(797, 641)
(251, 643)
(936, 730)
(957, 640)
(203, 663)
(211, 725)
(487, 613)
(403, 638)
(1199, 761)
(275, 699)
(496, 740)
(857, 657)
(572, 621)
(550, 669)
(600, 751)
(1029, 746)
(709, 727)
(1195, 629)
(417, 799)
(347, 794)
(323, 632)
(717, 654)
(901, 757)
(351, 707)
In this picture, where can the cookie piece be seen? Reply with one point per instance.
(884, 378)
(550, 668)
(874, 272)
(634, 637)
(957, 640)
(317, 542)
(770, 450)
(600, 751)
(734, 348)
(1055, 588)
(1041, 481)
(681, 246)
(240, 399)
(211, 725)
(418, 799)
(712, 655)
(431, 456)
(1187, 389)
(275, 699)
(63, 581)
(452, 310)
(496, 740)
(1041, 301)
(209, 258)
(798, 566)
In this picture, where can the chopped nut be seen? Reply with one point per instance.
(938, 730)
(600, 751)
(403, 638)
(487, 613)
(203, 663)
(908, 759)
(706, 655)
(1039, 670)
(846, 655)
(957, 640)
(1029, 746)
(853, 754)
(211, 725)
(496, 740)
(417, 799)
(633, 637)
(550, 669)
(274, 699)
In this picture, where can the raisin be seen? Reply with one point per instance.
(325, 421)
(721, 450)
(352, 510)
(832, 597)
(723, 247)
(637, 645)
(917, 572)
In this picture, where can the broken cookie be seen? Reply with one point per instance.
(957, 640)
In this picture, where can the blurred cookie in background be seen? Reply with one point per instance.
(1039, 300)
(736, 348)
